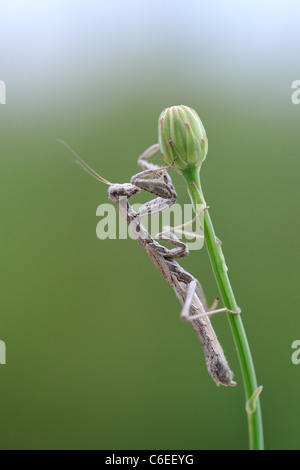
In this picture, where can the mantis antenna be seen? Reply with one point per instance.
(84, 165)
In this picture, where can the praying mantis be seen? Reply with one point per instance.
(156, 180)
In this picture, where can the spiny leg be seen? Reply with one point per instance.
(181, 249)
(193, 235)
(179, 228)
(121, 193)
(185, 313)
(214, 304)
(213, 312)
(171, 230)
(156, 182)
(159, 184)
(142, 160)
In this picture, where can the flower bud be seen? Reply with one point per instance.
(182, 138)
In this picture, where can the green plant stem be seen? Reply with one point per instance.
(216, 256)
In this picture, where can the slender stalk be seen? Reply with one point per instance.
(192, 177)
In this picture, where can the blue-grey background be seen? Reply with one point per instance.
(96, 355)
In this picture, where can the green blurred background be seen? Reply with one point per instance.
(97, 357)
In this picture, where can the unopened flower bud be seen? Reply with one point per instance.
(182, 138)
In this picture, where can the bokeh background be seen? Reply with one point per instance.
(97, 357)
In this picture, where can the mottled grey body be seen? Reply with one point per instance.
(188, 290)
